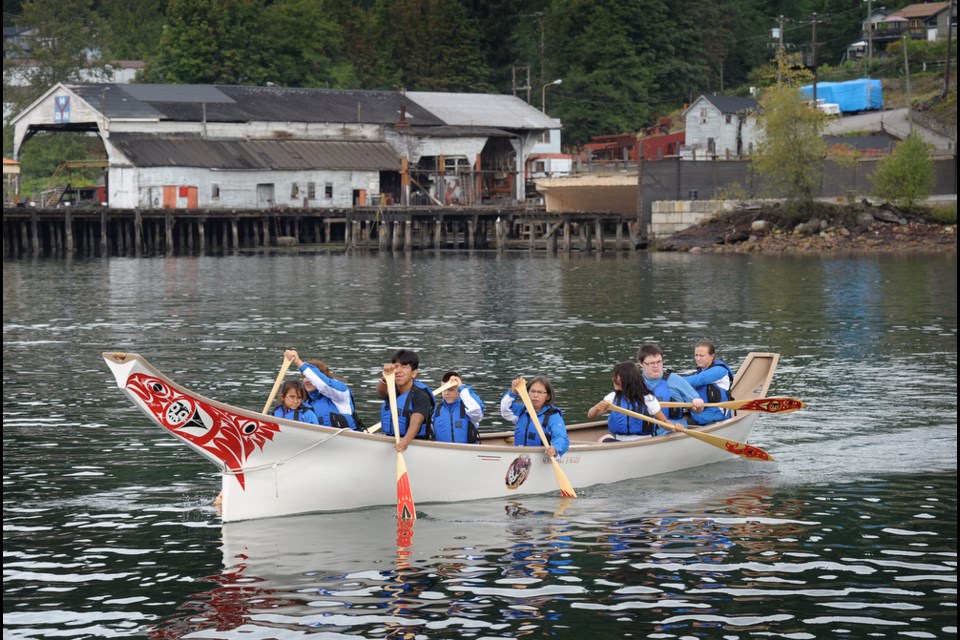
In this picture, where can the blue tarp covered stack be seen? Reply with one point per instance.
(854, 95)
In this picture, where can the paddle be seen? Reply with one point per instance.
(406, 511)
(766, 405)
(565, 487)
(276, 385)
(733, 446)
(446, 385)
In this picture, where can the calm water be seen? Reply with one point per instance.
(109, 529)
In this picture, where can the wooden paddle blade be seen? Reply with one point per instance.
(772, 405)
(565, 487)
(741, 449)
(406, 510)
(733, 446)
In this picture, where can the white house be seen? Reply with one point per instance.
(720, 127)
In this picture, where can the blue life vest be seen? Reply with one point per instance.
(662, 393)
(451, 424)
(712, 392)
(405, 410)
(329, 415)
(300, 414)
(627, 425)
(525, 434)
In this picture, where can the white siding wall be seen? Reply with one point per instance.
(143, 187)
(724, 133)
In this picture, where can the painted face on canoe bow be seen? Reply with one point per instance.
(226, 437)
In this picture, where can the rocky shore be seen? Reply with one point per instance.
(860, 227)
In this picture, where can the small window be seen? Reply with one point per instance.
(294, 191)
(311, 189)
(328, 190)
(729, 118)
(215, 191)
(703, 115)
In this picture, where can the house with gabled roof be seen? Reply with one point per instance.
(929, 20)
(213, 146)
(720, 128)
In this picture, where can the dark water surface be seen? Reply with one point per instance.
(109, 529)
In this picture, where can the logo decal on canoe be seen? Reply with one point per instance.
(518, 471)
(226, 436)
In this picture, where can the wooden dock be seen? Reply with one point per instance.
(101, 232)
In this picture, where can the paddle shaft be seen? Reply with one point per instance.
(565, 487)
(733, 446)
(766, 405)
(446, 385)
(406, 512)
(276, 385)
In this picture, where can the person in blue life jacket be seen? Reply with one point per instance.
(328, 396)
(290, 403)
(630, 392)
(457, 415)
(542, 398)
(414, 400)
(666, 385)
(712, 382)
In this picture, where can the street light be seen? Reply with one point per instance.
(543, 94)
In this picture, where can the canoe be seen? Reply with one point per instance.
(276, 467)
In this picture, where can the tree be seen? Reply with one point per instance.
(430, 45)
(211, 41)
(62, 42)
(791, 151)
(306, 57)
(906, 176)
(133, 28)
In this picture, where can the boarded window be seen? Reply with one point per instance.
(328, 190)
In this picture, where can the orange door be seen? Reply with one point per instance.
(169, 196)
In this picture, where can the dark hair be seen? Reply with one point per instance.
(632, 386)
(449, 374)
(292, 384)
(545, 381)
(649, 349)
(712, 350)
(406, 356)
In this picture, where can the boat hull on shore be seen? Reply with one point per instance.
(275, 467)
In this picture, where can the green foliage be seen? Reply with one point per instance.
(44, 152)
(131, 28)
(211, 41)
(791, 152)
(64, 36)
(430, 45)
(302, 57)
(906, 176)
(944, 214)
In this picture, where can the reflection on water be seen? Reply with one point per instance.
(109, 529)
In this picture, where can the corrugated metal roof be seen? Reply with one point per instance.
(732, 104)
(194, 151)
(444, 131)
(482, 109)
(221, 103)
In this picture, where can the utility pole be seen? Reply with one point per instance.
(946, 76)
(813, 54)
(523, 69)
(869, 36)
(780, 49)
(906, 71)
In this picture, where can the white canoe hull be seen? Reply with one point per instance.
(274, 467)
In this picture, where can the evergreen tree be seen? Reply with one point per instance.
(211, 41)
(62, 44)
(131, 29)
(430, 45)
(306, 46)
